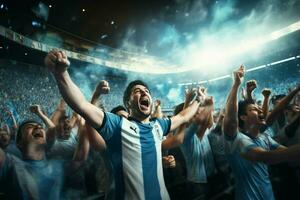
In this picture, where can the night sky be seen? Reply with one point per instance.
(144, 22)
(183, 32)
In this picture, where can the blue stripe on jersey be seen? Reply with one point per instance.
(149, 163)
(165, 124)
(114, 149)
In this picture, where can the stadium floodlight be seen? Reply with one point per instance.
(285, 31)
(248, 70)
(213, 51)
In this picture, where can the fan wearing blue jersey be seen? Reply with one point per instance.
(249, 150)
(134, 144)
(34, 176)
(198, 153)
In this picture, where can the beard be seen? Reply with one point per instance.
(145, 114)
(139, 113)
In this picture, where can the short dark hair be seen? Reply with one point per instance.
(242, 110)
(128, 89)
(117, 109)
(19, 132)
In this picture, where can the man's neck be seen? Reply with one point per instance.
(140, 118)
(252, 130)
(35, 152)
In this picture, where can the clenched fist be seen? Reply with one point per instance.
(266, 92)
(103, 87)
(57, 61)
(238, 75)
(36, 109)
(169, 161)
(251, 85)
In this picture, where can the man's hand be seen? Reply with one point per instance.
(36, 109)
(250, 86)
(202, 95)
(266, 92)
(238, 75)
(102, 87)
(190, 94)
(169, 161)
(209, 101)
(57, 61)
(157, 103)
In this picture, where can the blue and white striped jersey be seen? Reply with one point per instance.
(135, 152)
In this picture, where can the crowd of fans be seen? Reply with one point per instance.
(41, 89)
(225, 136)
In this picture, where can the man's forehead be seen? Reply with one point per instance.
(250, 106)
(139, 87)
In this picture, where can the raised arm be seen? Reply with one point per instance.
(75, 118)
(102, 88)
(57, 63)
(206, 112)
(279, 155)
(95, 139)
(250, 87)
(15, 125)
(173, 140)
(82, 150)
(243, 93)
(189, 111)
(218, 128)
(176, 139)
(157, 113)
(230, 122)
(36, 109)
(59, 111)
(281, 105)
(265, 107)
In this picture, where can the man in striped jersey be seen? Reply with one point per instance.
(134, 144)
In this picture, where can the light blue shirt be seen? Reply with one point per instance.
(30, 179)
(198, 155)
(251, 178)
(13, 149)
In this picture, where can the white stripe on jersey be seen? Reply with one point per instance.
(131, 153)
(158, 137)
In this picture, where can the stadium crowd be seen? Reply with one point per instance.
(69, 137)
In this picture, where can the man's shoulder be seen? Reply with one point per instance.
(238, 137)
(265, 136)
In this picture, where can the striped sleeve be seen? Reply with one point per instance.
(165, 124)
(110, 125)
